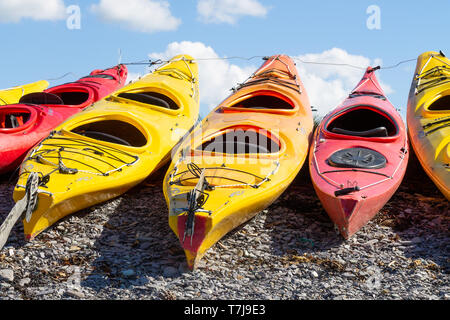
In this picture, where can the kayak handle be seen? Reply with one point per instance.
(345, 191)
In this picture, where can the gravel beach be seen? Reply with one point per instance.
(125, 250)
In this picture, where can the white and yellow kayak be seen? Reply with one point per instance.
(13, 95)
(428, 117)
(112, 145)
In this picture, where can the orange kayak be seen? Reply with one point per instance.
(240, 159)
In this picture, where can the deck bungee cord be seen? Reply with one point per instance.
(259, 77)
(197, 197)
(37, 180)
(439, 74)
(182, 75)
(150, 63)
(37, 155)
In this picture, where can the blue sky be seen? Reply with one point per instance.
(36, 43)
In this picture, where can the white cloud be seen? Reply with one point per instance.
(216, 77)
(328, 85)
(228, 11)
(16, 10)
(133, 76)
(139, 15)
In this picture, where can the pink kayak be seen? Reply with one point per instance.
(358, 156)
(24, 124)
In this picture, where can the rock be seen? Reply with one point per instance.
(75, 294)
(128, 273)
(348, 275)
(74, 248)
(7, 274)
(25, 281)
(314, 274)
(416, 240)
(170, 272)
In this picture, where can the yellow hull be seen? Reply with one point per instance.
(13, 95)
(428, 117)
(239, 185)
(113, 145)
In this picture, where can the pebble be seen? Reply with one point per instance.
(7, 274)
(75, 294)
(128, 273)
(170, 271)
(23, 282)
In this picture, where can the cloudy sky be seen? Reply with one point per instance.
(47, 39)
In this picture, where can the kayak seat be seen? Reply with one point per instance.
(73, 98)
(105, 137)
(264, 101)
(100, 76)
(113, 131)
(362, 158)
(235, 147)
(240, 142)
(363, 121)
(41, 98)
(376, 132)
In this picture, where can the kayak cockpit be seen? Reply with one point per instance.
(241, 140)
(112, 131)
(71, 97)
(99, 76)
(362, 122)
(261, 101)
(441, 104)
(151, 98)
(16, 118)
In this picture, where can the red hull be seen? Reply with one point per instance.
(33, 119)
(358, 156)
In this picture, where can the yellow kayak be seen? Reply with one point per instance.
(428, 117)
(13, 95)
(112, 145)
(243, 156)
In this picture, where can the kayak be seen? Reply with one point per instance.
(111, 146)
(24, 124)
(13, 95)
(240, 159)
(428, 117)
(358, 156)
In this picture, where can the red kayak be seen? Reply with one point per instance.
(358, 156)
(24, 124)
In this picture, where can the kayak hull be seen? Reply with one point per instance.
(355, 169)
(34, 121)
(428, 125)
(272, 106)
(108, 148)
